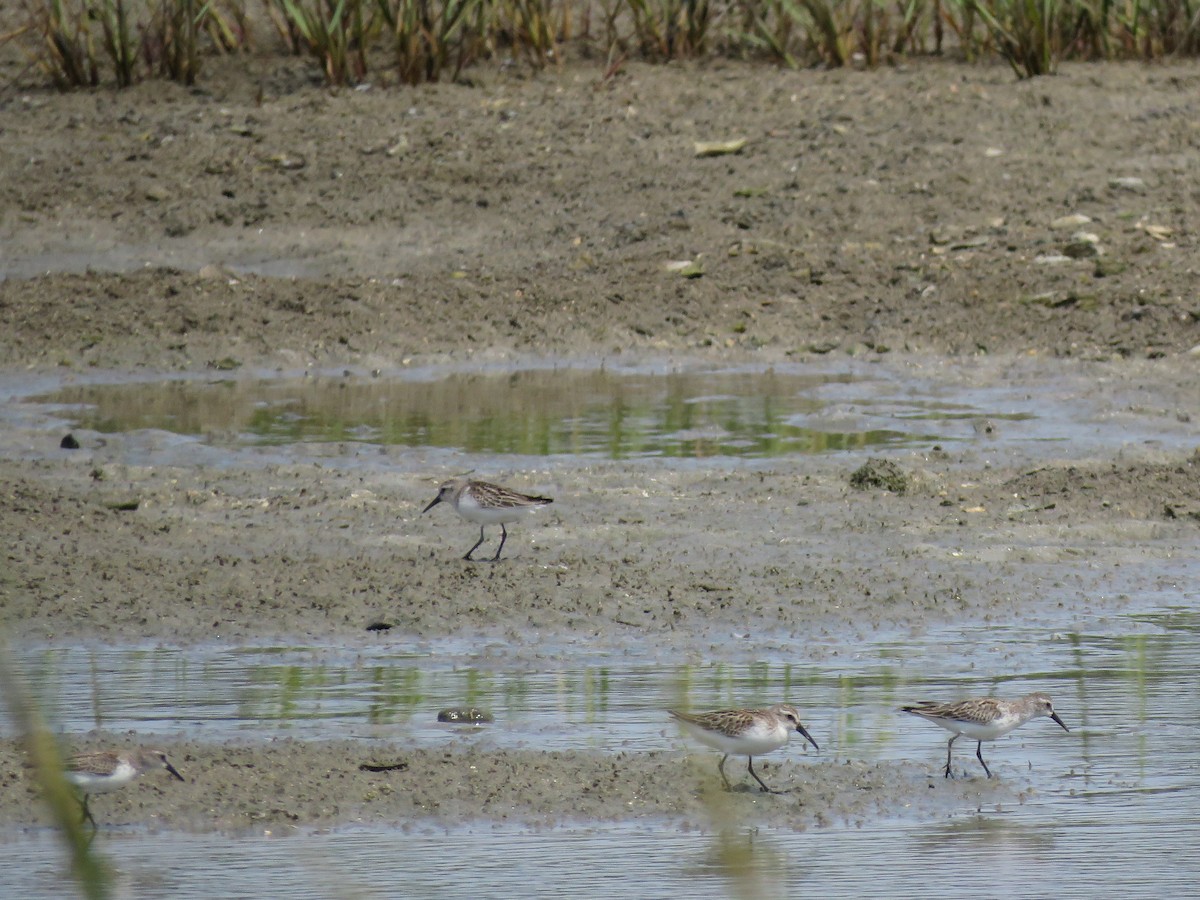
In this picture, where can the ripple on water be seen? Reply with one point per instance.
(1115, 795)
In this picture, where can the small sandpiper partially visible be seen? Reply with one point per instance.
(744, 732)
(108, 770)
(983, 719)
(486, 504)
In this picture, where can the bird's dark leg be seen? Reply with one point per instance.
(979, 753)
(761, 783)
(503, 538)
(948, 746)
(477, 543)
(721, 769)
(87, 813)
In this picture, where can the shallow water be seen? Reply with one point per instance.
(1111, 812)
(392, 695)
(1026, 852)
(539, 412)
(602, 412)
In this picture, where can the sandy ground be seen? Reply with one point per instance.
(912, 214)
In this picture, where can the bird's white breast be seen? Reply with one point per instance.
(101, 784)
(471, 510)
(759, 738)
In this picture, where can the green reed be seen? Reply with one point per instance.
(62, 46)
(336, 33)
(429, 37)
(178, 34)
(170, 41)
(1027, 33)
(670, 29)
(46, 764)
(533, 28)
(83, 43)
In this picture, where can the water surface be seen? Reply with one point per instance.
(1110, 808)
(631, 413)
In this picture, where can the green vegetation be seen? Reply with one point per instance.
(80, 43)
(46, 764)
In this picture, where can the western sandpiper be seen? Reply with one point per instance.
(99, 773)
(486, 504)
(983, 719)
(744, 732)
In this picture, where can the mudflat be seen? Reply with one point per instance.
(922, 216)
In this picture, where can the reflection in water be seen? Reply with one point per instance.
(988, 837)
(851, 696)
(537, 412)
(314, 693)
(748, 865)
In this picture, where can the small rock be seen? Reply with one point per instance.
(879, 473)
(685, 268)
(288, 162)
(969, 243)
(383, 767)
(1136, 185)
(215, 272)
(470, 715)
(1082, 246)
(157, 193)
(1072, 221)
(69, 443)
(719, 148)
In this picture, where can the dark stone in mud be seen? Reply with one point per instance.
(383, 767)
(69, 443)
(879, 473)
(470, 715)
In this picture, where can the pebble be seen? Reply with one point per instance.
(1083, 245)
(1137, 185)
(1072, 221)
(471, 715)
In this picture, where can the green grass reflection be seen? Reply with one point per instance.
(535, 412)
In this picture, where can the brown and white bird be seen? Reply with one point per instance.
(744, 732)
(486, 504)
(108, 770)
(983, 719)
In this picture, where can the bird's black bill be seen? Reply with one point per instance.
(1055, 717)
(170, 768)
(808, 737)
(432, 503)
